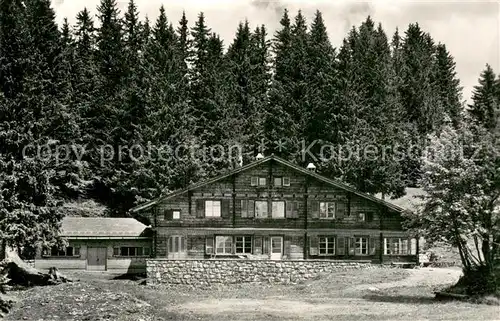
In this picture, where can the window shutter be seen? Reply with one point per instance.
(183, 244)
(413, 246)
(254, 181)
(340, 246)
(244, 208)
(352, 245)
(265, 245)
(372, 245)
(251, 208)
(289, 212)
(314, 209)
(295, 209)
(225, 208)
(313, 245)
(369, 216)
(200, 208)
(169, 214)
(209, 245)
(258, 245)
(340, 210)
(287, 247)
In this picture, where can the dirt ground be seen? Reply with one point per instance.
(368, 294)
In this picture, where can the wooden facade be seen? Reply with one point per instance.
(119, 245)
(272, 209)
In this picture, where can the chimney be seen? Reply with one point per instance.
(259, 156)
(311, 167)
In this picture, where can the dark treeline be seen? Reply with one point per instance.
(113, 82)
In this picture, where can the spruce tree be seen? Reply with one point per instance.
(322, 90)
(287, 113)
(35, 113)
(486, 99)
(448, 84)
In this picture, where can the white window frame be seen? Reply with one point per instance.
(361, 245)
(280, 180)
(262, 181)
(227, 249)
(273, 214)
(286, 181)
(362, 217)
(325, 210)
(212, 208)
(329, 243)
(257, 213)
(176, 215)
(401, 243)
(244, 241)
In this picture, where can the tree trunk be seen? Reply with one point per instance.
(14, 271)
(21, 273)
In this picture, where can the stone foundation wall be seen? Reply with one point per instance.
(206, 272)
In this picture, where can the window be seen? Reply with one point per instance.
(278, 181)
(395, 246)
(212, 208)
(209, 245)
(223, 244)
(286, 181)
(68, 251)
(262, 181)
(176, 244)
(326, 245)
(361, 217)
(261, 209)
(129, 251)
(254, 181)
(278, 210)
(327, 210)
(243, 244)
(361, 246)
(172, 214)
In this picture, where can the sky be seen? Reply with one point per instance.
(470, 29)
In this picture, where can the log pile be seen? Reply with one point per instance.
(15, 272)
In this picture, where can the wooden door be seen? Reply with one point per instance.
(96, 258)
(276, 247)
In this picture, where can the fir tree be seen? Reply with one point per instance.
(449, 89)
(486, 99)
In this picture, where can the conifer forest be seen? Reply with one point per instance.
(119, 110)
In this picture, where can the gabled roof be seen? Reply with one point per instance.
(102, 227)
(262, 161)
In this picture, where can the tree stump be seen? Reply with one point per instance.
(14, 271)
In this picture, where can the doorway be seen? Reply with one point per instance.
(276, 247)
(96, 258)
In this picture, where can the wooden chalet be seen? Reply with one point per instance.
(273, 209)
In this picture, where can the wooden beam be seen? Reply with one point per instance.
(381, 241)
(190, 195)
(234, 199)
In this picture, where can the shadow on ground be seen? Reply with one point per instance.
(401, 299)
(132, 277)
